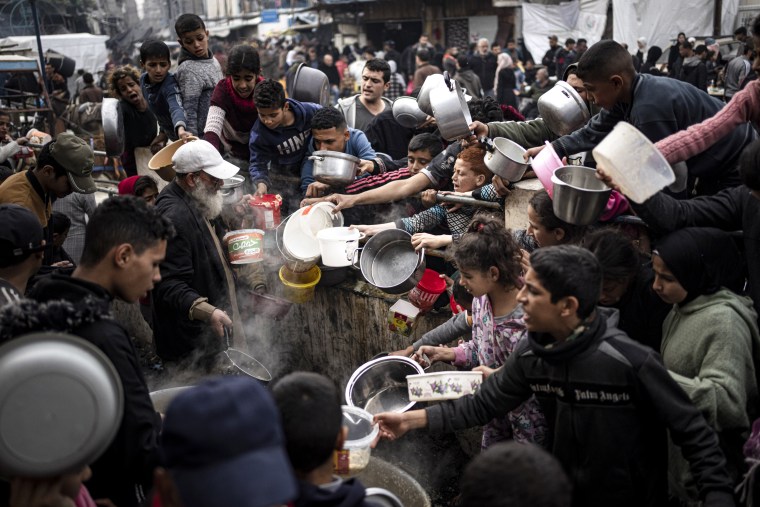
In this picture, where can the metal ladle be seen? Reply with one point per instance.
(244, 362)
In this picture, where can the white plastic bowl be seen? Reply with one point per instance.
(633, 162)
(362, 430)
(443, 385)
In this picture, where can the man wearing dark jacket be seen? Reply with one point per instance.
(195, 300)
(483, 63)
(608, 400)
(126, 241)
(693, 69)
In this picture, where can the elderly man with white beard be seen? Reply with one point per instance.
(195, 299)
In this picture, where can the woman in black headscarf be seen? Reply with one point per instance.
(654, 54)
(710, 340)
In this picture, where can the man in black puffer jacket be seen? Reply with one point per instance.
(609, 401)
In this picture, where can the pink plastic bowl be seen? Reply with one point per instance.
(544, 165)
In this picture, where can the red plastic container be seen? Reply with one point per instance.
(266, 210)
(427, 290)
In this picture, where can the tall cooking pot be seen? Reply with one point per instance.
(310, 85)
(431, 83)
(563, 109)
(452, 115)
(334, 167)
(389, 262)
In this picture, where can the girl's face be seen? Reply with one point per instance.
(542, 235)
(465, 179)
(129, 90)
(479, 283)
(243, 83)
(665, 284)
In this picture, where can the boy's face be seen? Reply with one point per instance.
(5, 126)
(465, 179)
(605, 93)
(577, 84)
(243, 83)
(140, 272)
(272, 117)
(157, 69)
(196, 42)
(418, 160)
(541, 315)
(129, 90)
(331, 139)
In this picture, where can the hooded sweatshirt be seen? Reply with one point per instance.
(197, 78)
(694, 71)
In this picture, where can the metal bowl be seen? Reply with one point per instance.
(113, 127)
(505, 159)
(389, 262)
(380, 385)
(232, 189)
(579, 196)
(407, 113)
(61, 404)
(310, 85)
(333, 167)
(431, 83)
(563, 109)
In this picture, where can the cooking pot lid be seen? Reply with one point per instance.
(61, 403)
(337, 154)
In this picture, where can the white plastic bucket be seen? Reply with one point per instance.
(337, 245)
(633, 162)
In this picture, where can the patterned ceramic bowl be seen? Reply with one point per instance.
(443, 385)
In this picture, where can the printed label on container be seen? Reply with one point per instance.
(245, 247)
(341, 461)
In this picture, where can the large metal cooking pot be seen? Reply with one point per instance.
(432, 82)
(381, 474)
(505, 159)
(232, 189)
(379, 385)
(61, 404)
(310, 85)
(389, 262)
(334, 167)
(452, 115)
(113, 127)
(579, 196)
(407, 113)
(563, 109)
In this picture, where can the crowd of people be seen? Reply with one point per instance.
(620, 360)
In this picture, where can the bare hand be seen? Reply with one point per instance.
(487, 372)
(430, 241)
(342, 201)
(435, 354)
(21, 141)
(602, 174)
(480, 128)
(428, 197)
(532, 152)
(184, 135)
(501, 186)
(524, 260)
(371, 230)
(261, 189)
(393, 425)
(317, 189)
(403, 352)
(429, 122)
(38, 493)
(308, 201)
(62, 264)
(366, 166)
(219, 320)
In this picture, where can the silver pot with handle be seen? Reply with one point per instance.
(113, 127)
(431, 83)
(452, 115)
(389, 262)
(504, 158)
(563, 109)
(310, 85)
(579, 196)
(334, 167)
(232, 189)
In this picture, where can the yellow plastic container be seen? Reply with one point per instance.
(299, 287)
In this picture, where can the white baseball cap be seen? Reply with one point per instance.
(200, 155)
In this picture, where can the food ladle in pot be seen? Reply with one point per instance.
(244, 362)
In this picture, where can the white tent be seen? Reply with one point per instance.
(87, 50)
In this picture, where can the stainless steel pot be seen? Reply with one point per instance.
(113, 127)
(310, 85)
(389, 262)
(232, 189)
(334, 168)
(407, 112)
(505, 159)
(432, 82)
(61, 404)
(579, 196)
(163, 397)
(563, 109)
(380, 385)
(452, 115)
